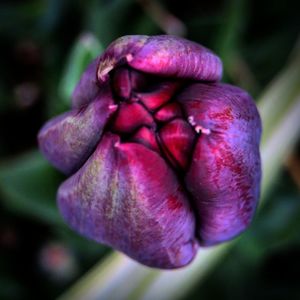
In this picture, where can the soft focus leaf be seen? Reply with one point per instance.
(28, 186)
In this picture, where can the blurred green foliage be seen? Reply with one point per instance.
(45, 46)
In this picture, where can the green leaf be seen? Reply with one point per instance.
(28, 186)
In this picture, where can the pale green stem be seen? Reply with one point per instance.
(120, 278)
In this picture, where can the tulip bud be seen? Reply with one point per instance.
(162, 158)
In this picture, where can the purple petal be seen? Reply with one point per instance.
(69, 139)
(173, 56)
(87, 88)
(225, 172)
(163, 55)
(127, 197)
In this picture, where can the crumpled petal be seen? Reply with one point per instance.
(224, 175)
(134, 204)
(69, 139)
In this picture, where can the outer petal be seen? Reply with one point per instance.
(163, 55)
(69, 139)
(134, 204)
(87, 88)
(224, 176)
(173, 56)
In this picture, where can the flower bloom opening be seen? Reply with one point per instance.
(162, 158)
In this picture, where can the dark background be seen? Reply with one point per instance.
(40, 59)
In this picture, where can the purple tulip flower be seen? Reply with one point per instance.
(162, 158)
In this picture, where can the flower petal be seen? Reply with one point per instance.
(173, 56)
(161, 94)
(126, 80)
(146, 137)
(127, 197)
(87, 88)
(177, 139)
(168, 112)
(69, 139)
(163, 55)
(131, 116)
(118, 53)
(225, 173)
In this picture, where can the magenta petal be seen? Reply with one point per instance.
(161, 94)
(131, 116)
(173, 56)
(225, 172)
(146, 137)
(177, 139)
(127, 197)
(168, 112)
(69, 139)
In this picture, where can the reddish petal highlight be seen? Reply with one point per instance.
(146, 137)
(168, 112)
(225, 172)
(118, 199)
(160, 94)
(177, 139)
(131, 116)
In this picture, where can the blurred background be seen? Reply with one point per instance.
(45, 45)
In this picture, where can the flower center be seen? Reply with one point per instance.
(149, 114)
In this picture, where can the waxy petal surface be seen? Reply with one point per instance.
(131, 116)
(177, 139)
(69, 139)
(117, 199)
(160, 95)
(162, 55)
(173, 56)
(224, 175)
(168, 112)
(146, 137)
